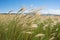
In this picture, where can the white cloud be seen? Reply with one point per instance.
(45, 11)
(51, 11)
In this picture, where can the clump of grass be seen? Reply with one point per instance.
(29, 27)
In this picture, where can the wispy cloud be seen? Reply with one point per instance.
(51, 11)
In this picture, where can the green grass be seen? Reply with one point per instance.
(14, 29)
(29, 27)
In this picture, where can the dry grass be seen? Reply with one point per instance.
(29, 27)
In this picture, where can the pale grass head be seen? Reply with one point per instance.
(57, 29)
(27, 32)
(53, 34)
(34, 25)
(52, 38)
(22, 9)
(55, 22)
(10, 11)
(45, 26)
(52, 25)
(40, 35)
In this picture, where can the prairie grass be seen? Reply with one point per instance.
(28, 27)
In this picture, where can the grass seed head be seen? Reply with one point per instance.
(52, 38)
(40, 35)
(34, 25)
(29, 32)
(45, 26)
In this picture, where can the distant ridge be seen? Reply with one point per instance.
(50, 14)
(7, 13)
(31, 13)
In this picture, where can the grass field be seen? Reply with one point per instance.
(27, 27)
(31, 26)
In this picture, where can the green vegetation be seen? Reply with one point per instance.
(27, 27)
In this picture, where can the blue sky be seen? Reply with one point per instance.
(6, 5)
